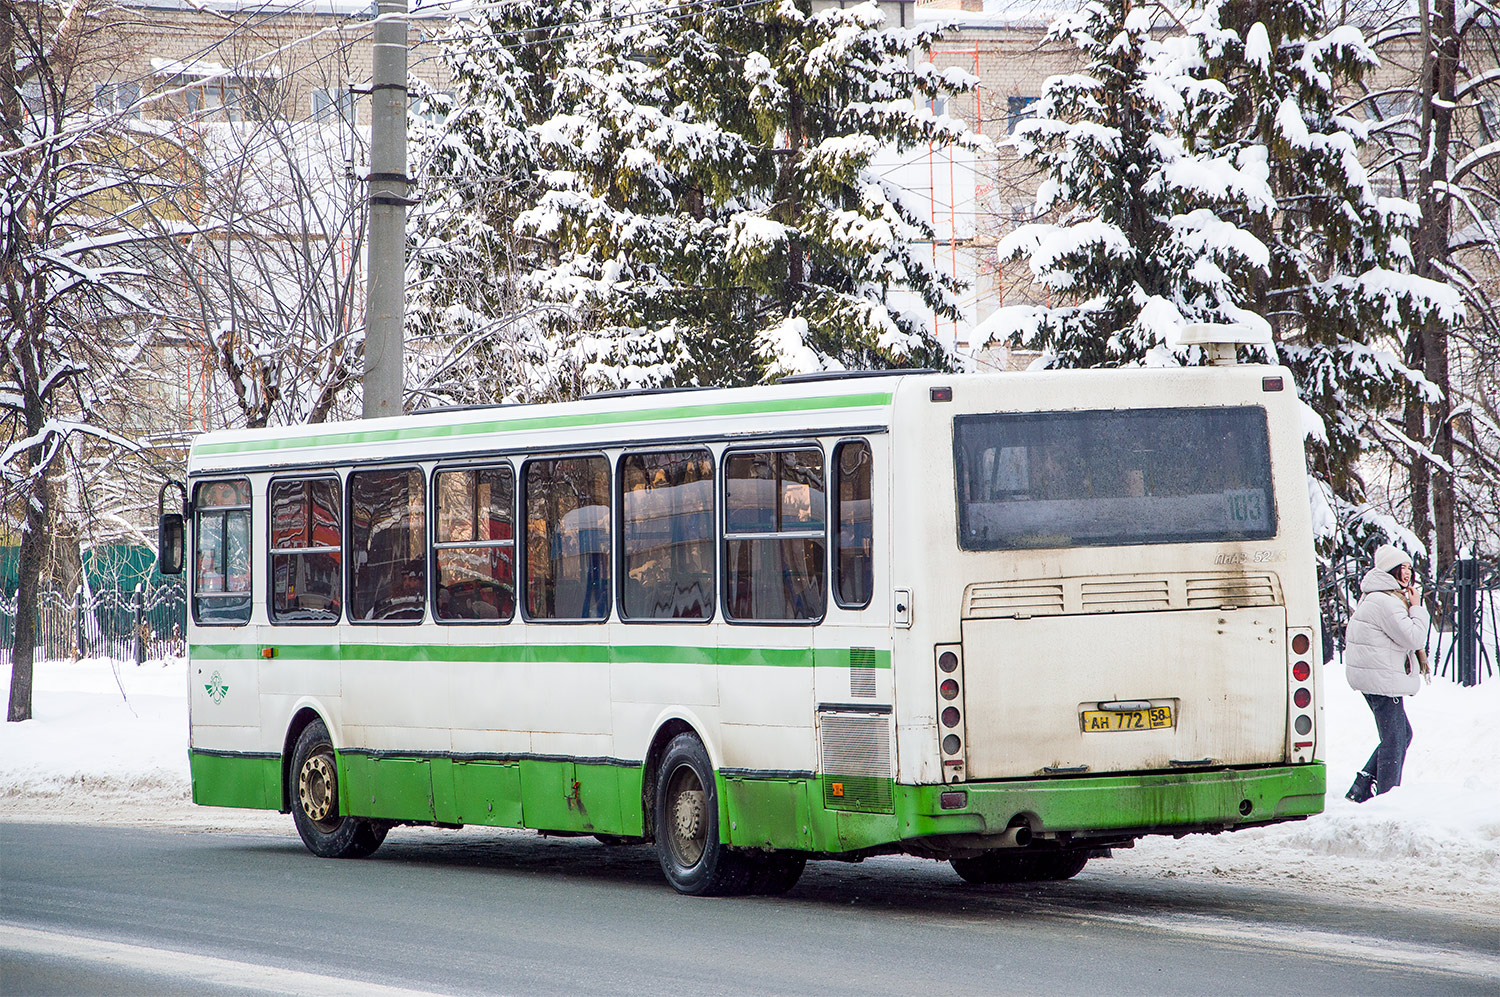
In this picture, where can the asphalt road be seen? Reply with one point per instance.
(123, 910)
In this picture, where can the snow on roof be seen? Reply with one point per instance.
(324, 7)
(199, 69)
(1032, 14)
(339, 8)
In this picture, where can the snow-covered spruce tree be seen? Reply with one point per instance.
(713, 207)
(1137, 245)
(476, 334)
(1245, 201)
(1339, 292)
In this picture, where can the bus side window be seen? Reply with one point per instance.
(853, 559)
(474, 545)
(775, 536)
(221, 554)
(667, 536)
(306, 550)
(568, 545)
(387, 545)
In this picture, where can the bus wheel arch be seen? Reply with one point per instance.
(654, 752)
(300, 720)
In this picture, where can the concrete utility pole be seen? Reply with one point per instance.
(385, 308)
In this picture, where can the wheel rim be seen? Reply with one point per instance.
(687, 817)
(317, 791)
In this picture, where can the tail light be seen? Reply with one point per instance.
(1301, 681)
(950, 710)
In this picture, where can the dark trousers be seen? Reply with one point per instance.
(1395, 737)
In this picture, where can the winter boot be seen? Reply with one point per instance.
(1363, 788)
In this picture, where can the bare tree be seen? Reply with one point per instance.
(76, 303)
(1440, 122)
(267, 238)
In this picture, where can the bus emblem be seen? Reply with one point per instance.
(217, 690)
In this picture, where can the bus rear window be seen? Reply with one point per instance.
(1106, 478)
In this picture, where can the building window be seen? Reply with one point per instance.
(206, 88)
(333, 106)
(1017, 109)
(387, 545)
(306, 552)
(475, 545)
(667, 536)
(221, 552)
(775, 526)
(121, 97)
(853, 538)
(1399, 116)
(567, 538)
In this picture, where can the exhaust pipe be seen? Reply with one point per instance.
(1018, 836)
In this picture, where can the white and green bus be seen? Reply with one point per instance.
(1009, 621)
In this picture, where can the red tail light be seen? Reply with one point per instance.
(1300, 671)
(1302, 697)
(1300, 643)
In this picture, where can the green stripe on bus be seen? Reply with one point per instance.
(520, 423)
(766, 657)
(797, 812)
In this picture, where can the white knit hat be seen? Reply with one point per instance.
(1387, 557)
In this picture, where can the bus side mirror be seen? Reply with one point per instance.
(170, 543)
(171, 533)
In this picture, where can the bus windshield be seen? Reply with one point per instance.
(1106, 478)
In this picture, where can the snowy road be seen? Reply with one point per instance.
(132, 909)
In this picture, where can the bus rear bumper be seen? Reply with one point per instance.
(1153, 803)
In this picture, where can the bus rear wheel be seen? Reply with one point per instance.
(773, 873)
(1020, 866)
(315, 802)
(686, 816)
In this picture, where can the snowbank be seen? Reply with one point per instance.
(1434, 841)
(109, 744)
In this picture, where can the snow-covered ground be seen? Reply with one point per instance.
(109, 745)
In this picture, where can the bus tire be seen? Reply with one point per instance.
(692, 857)
(1020, 867)
(315, 800)
(1064, 864)
(773, 873)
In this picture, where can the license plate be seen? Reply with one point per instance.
(1108, 720)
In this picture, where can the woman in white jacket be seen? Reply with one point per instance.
(1388, 625)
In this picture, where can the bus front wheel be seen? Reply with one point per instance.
(692, 857)
(315, 802)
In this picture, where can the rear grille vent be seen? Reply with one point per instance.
(1121, 594)
(1003, 599)
(1233, 590)
(856, 752)
(1125, 595)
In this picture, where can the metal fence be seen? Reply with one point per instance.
(1464, 602)
(149, 621)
